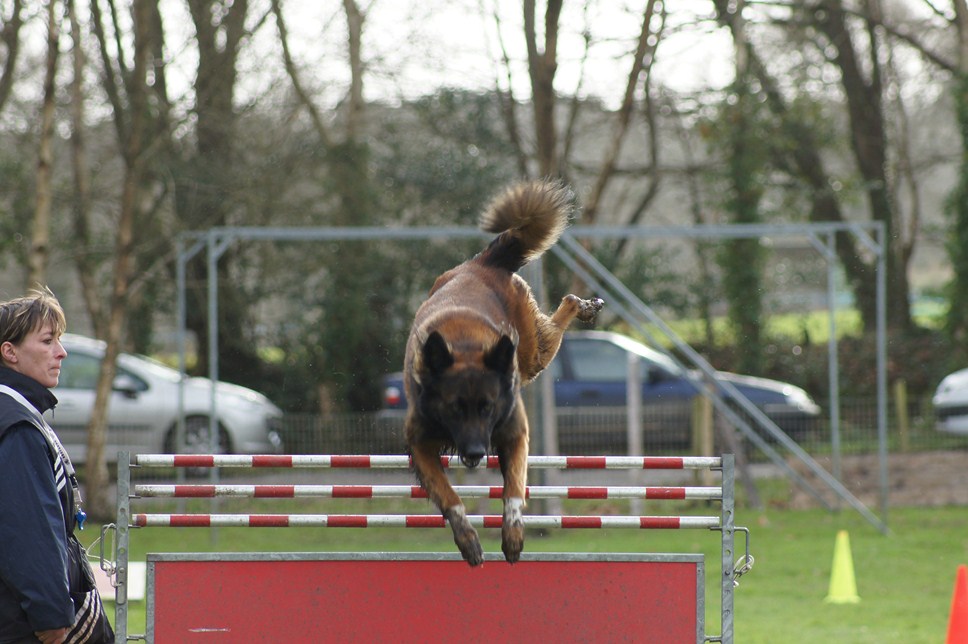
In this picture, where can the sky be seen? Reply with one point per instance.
(417, 46)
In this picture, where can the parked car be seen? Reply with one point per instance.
(590, 374)
(143, 411)
(950, 403)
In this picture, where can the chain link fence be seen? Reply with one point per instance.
(666, 429)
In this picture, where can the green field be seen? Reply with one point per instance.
(905, 579)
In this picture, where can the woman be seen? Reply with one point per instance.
(46, 589)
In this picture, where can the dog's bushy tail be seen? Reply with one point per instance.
(530, 218)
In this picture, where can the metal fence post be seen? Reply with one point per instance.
(633, 409)
(727, 527)
(123, 521)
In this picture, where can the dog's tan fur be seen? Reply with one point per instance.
(481, 331)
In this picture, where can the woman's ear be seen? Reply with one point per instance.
(8, 353)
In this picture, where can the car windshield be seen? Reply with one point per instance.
(152, 366)
(606, 360)
(650, 355)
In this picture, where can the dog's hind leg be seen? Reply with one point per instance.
(426, 463)
(513, 454)
(572, 307)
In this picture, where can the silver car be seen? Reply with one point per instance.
(951, 403)
(143, 411)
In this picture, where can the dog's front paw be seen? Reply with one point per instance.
(588, 309)
(512, 530)
(465, 536)
(469, 546)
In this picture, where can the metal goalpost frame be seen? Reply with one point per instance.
(821, 236)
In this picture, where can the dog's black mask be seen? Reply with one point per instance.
(467, 402)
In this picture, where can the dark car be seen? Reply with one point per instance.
(590, 374)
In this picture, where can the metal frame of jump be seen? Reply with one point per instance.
(638, 592)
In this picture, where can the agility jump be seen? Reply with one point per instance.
(568, 596)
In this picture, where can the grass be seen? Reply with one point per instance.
(905, 579)
(928, 314)
(815, 324)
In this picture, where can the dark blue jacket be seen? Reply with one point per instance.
(34, 520)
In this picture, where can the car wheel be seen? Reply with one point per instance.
(197, 438)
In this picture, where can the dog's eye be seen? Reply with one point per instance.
(485, 407)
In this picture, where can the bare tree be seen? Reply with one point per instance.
(542, 65)
(957, 322)
(347, 329)
(509, 105)
(745, 161)
(860, 66)
(949, 54)
(10, 39)
(39, 254)
(555, 145)
(132, 126)
(205, 176)
(954, 22)
(802, 153)
(81, 199)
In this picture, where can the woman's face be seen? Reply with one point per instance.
(39, 356)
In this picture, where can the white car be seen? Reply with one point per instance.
(143, 411)
(951, 403)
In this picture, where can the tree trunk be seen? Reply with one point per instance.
(10, 37)
(741, 259)
(133, 152)
(869, 142)
(203, 189)
(39, 255)
(348, 328)
(957, 319)
(641, 64)
(80, 204)
(542, 66)
(803, 159)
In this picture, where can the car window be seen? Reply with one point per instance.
(79, 371)
(128, 381)
(597, 361)
(147, 365)
(554, 369)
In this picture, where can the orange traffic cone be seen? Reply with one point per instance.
(958, 621)
(843, 586)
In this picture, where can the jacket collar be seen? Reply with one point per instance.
(36, 394)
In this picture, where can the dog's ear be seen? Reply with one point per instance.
(500, 357)
(436, 354)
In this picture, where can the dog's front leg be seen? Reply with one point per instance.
(426, 462)
(514, 466)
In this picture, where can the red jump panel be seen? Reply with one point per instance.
(303, 598)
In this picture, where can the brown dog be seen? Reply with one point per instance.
(475, 341)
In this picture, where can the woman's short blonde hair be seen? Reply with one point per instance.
(36, 310)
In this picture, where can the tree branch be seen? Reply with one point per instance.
(10, 37)
(321, 130)
(642, 61)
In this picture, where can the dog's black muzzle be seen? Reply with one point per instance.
(472, 455)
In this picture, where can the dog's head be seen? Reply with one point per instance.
(467, 392)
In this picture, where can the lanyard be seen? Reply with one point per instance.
(55, 445)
